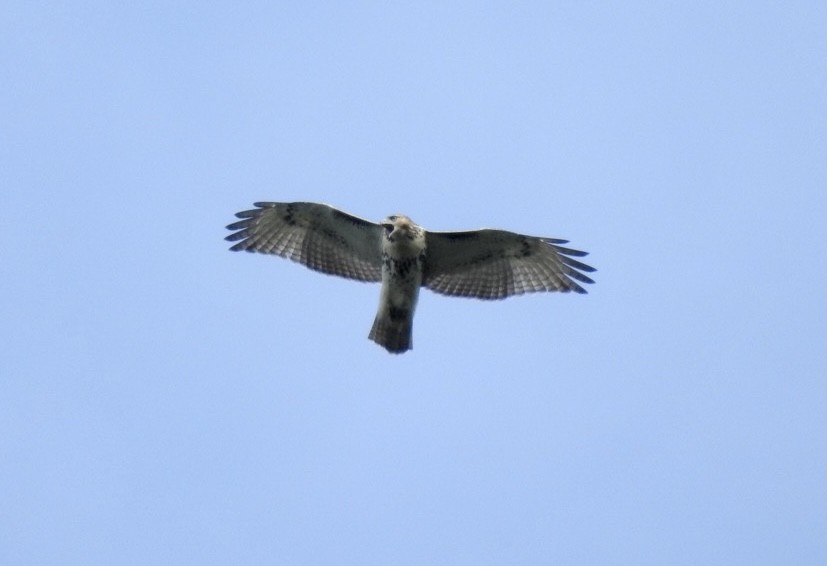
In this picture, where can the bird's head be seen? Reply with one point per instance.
(400, 227)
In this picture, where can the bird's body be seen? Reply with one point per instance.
(486, 264)
(403, 262)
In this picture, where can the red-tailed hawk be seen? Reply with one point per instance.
(486, 264)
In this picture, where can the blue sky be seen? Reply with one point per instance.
(165, 401)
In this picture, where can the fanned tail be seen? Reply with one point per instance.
(393, 332)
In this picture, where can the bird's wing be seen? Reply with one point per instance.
(494, 264)
(316, 235)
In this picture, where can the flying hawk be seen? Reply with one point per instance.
(486, 264)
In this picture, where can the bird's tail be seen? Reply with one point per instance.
(392, 330)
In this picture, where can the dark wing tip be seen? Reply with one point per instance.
(566, 255)
(572, 287)
(573, 268)
(234, 237)
(580, 277)
(566, 251)
(242, 229)
(577, 264)
(573, 275)
(241, 224)
(242, 237)
(248, 213)
(242, 246)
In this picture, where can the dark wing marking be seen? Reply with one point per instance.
(494, 264)
(316, 235)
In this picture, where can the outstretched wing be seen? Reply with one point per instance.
(316, 235)
(494, 264)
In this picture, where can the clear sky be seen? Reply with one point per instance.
(165, 401)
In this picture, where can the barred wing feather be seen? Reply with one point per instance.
(494, 264)
(316, 235)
